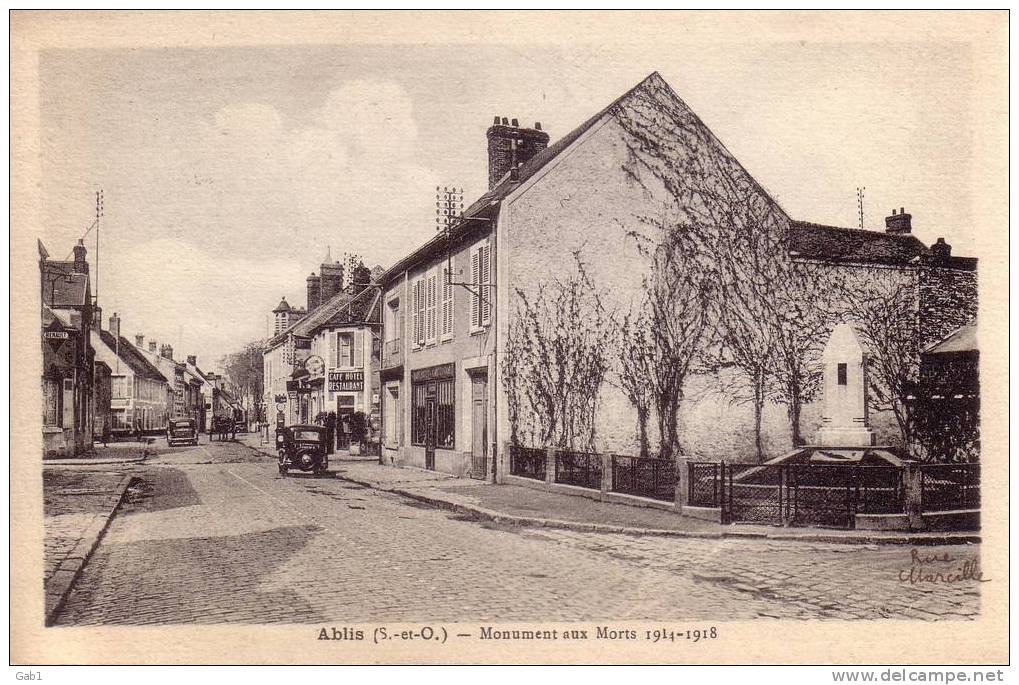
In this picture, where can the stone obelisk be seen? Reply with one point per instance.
(845, 420)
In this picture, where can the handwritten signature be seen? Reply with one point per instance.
(930, 569)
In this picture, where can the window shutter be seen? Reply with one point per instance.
(486, 278)
(358, 351)
(447, 303)
(475, 279)
(333, 360)
(431, 307)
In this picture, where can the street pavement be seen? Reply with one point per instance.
(213, 535)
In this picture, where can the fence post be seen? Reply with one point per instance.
(606, 472)
(682, 497)
(550, 465)
(912, 495)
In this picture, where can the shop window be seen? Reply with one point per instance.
(441, 395)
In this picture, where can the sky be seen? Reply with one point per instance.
(228, 172)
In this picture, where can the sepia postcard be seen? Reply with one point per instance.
(509, 337)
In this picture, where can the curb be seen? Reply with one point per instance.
(55, 463)
(911, 539)
(59, 586)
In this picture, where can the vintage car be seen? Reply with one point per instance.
(302, 447)
(182, 432)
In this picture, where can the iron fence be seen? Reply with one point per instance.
(879, 490)
(820, 495)
(582, 469)
(707, 481)
(644, 477)
(755, 493)
(946, 487)
(527, 462)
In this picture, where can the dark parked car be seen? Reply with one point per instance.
(182, 432)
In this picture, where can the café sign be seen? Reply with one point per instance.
(346, 380)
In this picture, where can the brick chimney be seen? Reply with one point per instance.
(80, 265)
(115, 325)
(330, 282)
(193, 360)
(152, 346)
(314, 292)
(899, 224)
(97, 317)
(139, 341)
(510, 146)
(166, 351)
(941, 250)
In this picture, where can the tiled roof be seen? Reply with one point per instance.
(480, 208)
(834, 243)
(962, 340)
(131, 356)
(332, 311)
(62, 288)
(283, 306)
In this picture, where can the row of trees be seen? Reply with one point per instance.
(722, 295)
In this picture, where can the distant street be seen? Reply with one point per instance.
(214, 536)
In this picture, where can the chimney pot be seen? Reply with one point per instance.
(899, 224)
(115, 325)
(139, 341)
(496, 121)
(941, 249)
(514, 123)
(193, 360)
(902, 210)
(537, 126)
(152, 346)
(505, 121)
(508, 149)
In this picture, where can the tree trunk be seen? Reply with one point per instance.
(793, 410)
(758, 414)
(642, 419)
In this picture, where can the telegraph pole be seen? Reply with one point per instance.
(859, 202)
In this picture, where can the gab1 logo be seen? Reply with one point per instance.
(28, 675)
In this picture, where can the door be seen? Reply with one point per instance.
(430, 433)
(479, 427)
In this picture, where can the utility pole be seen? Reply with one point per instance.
(99, 214)
(859, 202)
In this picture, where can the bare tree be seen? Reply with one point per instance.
(636, 353)
(557, 358)
(882, 306)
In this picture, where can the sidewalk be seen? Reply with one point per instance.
(126, 452)
(77, 508)
(517, 505)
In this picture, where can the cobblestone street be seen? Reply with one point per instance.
(215, 536)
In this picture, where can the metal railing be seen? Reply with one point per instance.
(946, 487)
(582, 469)
(527, 462)
(706, 479)
(644, 477)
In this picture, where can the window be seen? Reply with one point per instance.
(345, 344)
(433, 401)
(118, 387)
(393, 327)
(447, 305)
(419, 312)
(842, 369)
(481, 276)
(431, 302)
(52, 391)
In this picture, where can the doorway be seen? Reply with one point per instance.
(344, 410)
(430, 433)
(479, 426)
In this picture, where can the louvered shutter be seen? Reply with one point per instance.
(431, 307)
(333, 362)
(486, 278)
(358, 350)
(447, 303)
(475, 279)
